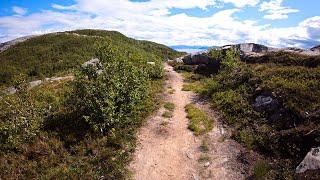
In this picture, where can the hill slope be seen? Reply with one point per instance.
(59, 53)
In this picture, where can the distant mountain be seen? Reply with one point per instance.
(190, 47)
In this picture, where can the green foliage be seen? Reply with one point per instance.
(291, 79)
(60, 53)
(169, 106)
(260, 170)
(199, 123)
(230, 59)
(167, 114)
(19, 121)
(50, 132)
(113, 97)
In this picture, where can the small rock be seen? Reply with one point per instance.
(310, 162)
(195, 177)
(266, 103)
(151, 63)
(207, 164)
(189, 155)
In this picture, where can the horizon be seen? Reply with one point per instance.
(275, 23)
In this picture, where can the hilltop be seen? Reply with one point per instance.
(55, 54)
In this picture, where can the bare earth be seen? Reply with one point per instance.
(171, 151)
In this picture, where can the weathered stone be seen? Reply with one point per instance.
(310, 162)
(266, 103)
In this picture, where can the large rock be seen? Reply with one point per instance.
(310, 162)
(251, 47)
(7, 45)
(196, 59)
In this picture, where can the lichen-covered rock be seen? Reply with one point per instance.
(266, 103)
(310, 162)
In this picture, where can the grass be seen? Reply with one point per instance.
(167, 114)
(204, 158)
(169, 106)
(171, 91)
(199, 123)
(204, 147)
(260, 170)
(164, 123)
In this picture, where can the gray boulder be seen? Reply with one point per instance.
(310, 162)
(196, 59)
(266, 103)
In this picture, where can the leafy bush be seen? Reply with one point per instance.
(20, 122)
(113, 97)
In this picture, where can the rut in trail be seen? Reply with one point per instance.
(169, 151)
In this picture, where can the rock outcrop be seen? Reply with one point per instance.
(195, 59)
(6, 45)
(310, 162)
(266, 103)
(248, 50)
(316, 49)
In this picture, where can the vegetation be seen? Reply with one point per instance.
(200, 123)
(60, 53)
(169, 106)
(80, 129)
(167, 114)
(284, 134)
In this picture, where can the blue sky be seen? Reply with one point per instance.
(172, 22)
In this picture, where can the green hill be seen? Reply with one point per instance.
(59, 53)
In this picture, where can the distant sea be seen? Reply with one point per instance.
(189, 49)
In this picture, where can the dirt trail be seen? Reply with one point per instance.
(171, 151)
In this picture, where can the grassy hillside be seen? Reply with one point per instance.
(59, 53)
(81, 129)
(286, 129)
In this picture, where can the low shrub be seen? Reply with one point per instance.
(199, 123)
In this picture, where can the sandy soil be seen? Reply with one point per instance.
(171, 151)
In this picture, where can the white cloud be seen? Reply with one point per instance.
(242, 3)
(152, 21)
(19, 10)
(275, 10)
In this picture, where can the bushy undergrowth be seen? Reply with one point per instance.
(83, 129)
(284, 135)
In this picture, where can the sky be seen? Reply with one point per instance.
(277, 23)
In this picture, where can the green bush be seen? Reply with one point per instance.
(113, 97)
(20, 121)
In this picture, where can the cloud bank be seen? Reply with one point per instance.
(153, 20)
